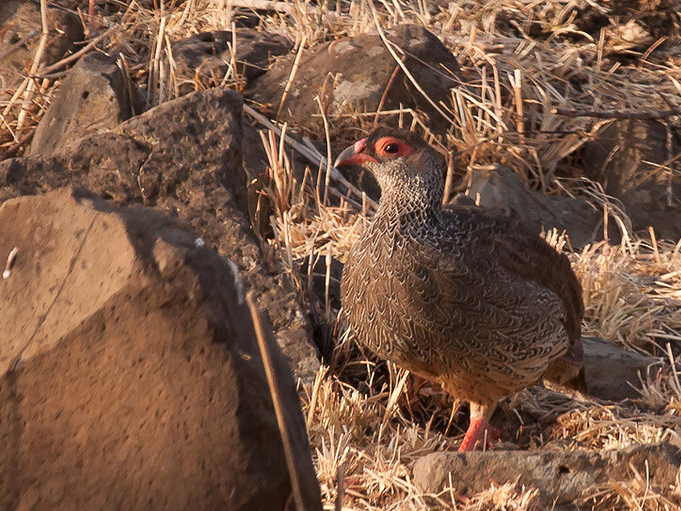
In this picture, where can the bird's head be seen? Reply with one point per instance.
(404, 166)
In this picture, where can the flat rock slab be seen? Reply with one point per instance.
(129, 373)
(563, 479)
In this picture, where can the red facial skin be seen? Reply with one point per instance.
(359, 154)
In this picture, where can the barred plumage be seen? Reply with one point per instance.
(454, 295)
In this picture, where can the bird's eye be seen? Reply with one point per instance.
(392, 147)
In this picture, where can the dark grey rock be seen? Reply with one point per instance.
(184, 158)
(21, 18)
(612, 373)
(94, 97)
(625, 159)
(498, 188)
(209, 55)
(352, 74)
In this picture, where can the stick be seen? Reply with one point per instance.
(264, 342)
(328, 151)
(449, 180)
(9, 153)
(42, 43)
(616, 114)
(385, 94)
(285, 7)
(154, 67)
(66, 61)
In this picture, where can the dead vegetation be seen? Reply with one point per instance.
(532, 69)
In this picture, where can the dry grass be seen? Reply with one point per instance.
(369, 421)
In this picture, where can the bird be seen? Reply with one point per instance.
(456, 295)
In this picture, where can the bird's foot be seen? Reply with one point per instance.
(479, 429)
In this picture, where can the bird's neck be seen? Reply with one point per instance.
(411, 205)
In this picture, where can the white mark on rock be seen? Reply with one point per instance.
(198, 242)
(238, 287)
(10, 262)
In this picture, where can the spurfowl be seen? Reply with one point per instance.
(454, 295)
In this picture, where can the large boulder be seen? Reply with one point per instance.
(354, 74)
(129, 373)
(184, 158)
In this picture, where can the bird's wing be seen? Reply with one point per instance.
(483, 303)
(528, 256)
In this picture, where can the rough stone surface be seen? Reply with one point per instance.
(209, 54)
(352, 74)
(20, 19)
(612, 373)
(129, 373)
(183, 157)
(498, 188)
(562, 478)
(624, 158)
(93, 98)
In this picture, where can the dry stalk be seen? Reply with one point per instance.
(265, 341)
(291, 76)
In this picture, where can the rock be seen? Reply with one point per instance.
(625, 158)
(608, 372)
(256, 50)
(176, 153)
(210, 54)
(20, 20)
(612, 373)
(498, 188)
(93, 98)
(352, 74)
(129, 374)
(183, 157)
(562, 478)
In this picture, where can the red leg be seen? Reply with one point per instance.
(475, 431)
(480, 415)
